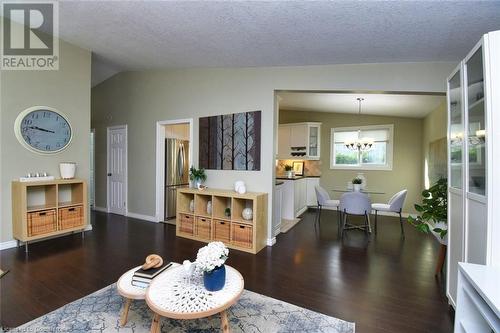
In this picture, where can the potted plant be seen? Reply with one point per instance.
(197, 176)
(227, 211)
(433, 210)
(288, 170)
(210, 260)
(356, 184)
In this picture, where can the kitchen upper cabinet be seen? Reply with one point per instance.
(284, 141)
(299, 141)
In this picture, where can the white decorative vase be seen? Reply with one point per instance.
(191, 206)
(67, 170)
(289, 174)
(209, 207)
(363, 178)
(356, 187)
(242, 189)
(247, 214)
(238, 184)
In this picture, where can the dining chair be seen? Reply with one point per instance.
(323, 200)
(395, 205)
(355, 203)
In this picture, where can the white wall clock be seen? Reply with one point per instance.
(43, 129)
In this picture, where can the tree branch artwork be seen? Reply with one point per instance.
(230, 142)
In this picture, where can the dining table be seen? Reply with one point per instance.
(364, 190)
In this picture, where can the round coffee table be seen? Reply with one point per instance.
(130, 292)
(174, 295)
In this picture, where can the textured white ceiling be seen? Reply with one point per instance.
(396, 105)
(135, 35)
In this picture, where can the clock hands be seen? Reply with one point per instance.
(41, 129)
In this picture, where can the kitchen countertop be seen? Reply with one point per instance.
(278, 182)
(295, 177)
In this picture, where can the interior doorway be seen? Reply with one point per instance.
(117, 169)
(173, 159)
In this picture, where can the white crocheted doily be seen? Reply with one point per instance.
(126, 289)
(175, 292)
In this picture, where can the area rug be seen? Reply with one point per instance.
(100, 312)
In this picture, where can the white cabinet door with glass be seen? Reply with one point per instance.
(474, 156)
(300, 141)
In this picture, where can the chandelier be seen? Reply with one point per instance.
(361, 144)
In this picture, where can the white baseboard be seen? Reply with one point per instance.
(100, 209)
(271, 241)
(13, 243)
(143, 217)
(8, 244)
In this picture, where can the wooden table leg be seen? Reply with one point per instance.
(126, 307)
(224, 322)
(155, 325)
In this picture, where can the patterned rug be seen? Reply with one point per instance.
(100, 312)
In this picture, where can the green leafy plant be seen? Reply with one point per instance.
(434, 208)
(288, 167)
(357, 181)
(227, 211)
(197, 174)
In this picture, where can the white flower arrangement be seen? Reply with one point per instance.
(211, 256)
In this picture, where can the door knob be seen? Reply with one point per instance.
(109, 174)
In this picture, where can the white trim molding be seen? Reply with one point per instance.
(160, 161)
(148, 218)
(8, 245)
(100, 209)
(389, 151)
(271, 241)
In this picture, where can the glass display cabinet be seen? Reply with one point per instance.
(473, 156)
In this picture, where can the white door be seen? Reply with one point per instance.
(117, 169)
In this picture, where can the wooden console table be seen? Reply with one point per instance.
(234, 231)
(48, 208)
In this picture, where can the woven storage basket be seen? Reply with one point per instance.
(242, 235)
(187, 224)
(42, 222)
(70, 217)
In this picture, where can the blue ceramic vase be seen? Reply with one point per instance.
(215, 279)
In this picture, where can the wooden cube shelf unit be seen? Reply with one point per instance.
(195, 221)
(48, 208)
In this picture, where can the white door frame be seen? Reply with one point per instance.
(160, 161)
(126, 165)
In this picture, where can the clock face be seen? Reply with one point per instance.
(43, 130)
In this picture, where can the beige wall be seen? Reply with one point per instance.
(140, 99)
(67, 90)
(434, 128)
(407, 154)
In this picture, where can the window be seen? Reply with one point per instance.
(379, 157)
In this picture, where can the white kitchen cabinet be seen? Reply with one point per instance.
(301, 141)
(474, 156)
(284, 141)
(294, 201)
(278, 201)
(300, 199)
(312, 182)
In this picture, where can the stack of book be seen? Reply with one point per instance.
(142, 278)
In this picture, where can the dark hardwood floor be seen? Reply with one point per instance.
(384, 285)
